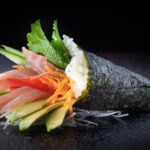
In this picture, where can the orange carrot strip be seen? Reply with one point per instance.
(54, 72)
(40, 75)
(18, 67)
(52, 99)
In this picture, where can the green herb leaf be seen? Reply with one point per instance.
(36, 38)
(55, 35)
(55, 52)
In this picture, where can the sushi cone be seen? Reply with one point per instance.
(112, 87)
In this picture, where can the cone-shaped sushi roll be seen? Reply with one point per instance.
(99, 84)
(51, 77)
(111, 87)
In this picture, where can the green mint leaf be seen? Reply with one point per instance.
(36, 37)
(55, 35)
(54, 51)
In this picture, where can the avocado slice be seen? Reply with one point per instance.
(26, 122)
(26, 109)
(56, 117)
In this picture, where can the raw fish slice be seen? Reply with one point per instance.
(17, 73)
(38, 62)
(4, 85)
(26, 97)
(4, 99)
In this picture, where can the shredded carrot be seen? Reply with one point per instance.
(59, 82)
(70, 97)
(57, 74)
(54, 97)
(18, 67)
(63, 87)
(49, 81)
(40, 75)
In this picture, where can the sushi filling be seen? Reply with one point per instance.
(54, 72)
(74, 81)
(77, 69)
(64, 86)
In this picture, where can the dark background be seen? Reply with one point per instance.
(109, 30)
(120, 35)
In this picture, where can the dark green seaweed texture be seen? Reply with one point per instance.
(114, 87)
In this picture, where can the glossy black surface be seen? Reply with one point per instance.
(133, 132)
(129, 132)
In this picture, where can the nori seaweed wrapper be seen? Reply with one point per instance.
(112, 87)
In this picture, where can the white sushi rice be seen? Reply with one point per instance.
(77, 70)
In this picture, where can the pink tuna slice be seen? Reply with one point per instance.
(4, 85)
(26, 97)
(38, 62)
(4, 99)
(17, 73)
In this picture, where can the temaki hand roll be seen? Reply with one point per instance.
(108, 86)
(112, 87)
(53, 76)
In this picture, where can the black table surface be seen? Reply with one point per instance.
(132, 132)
